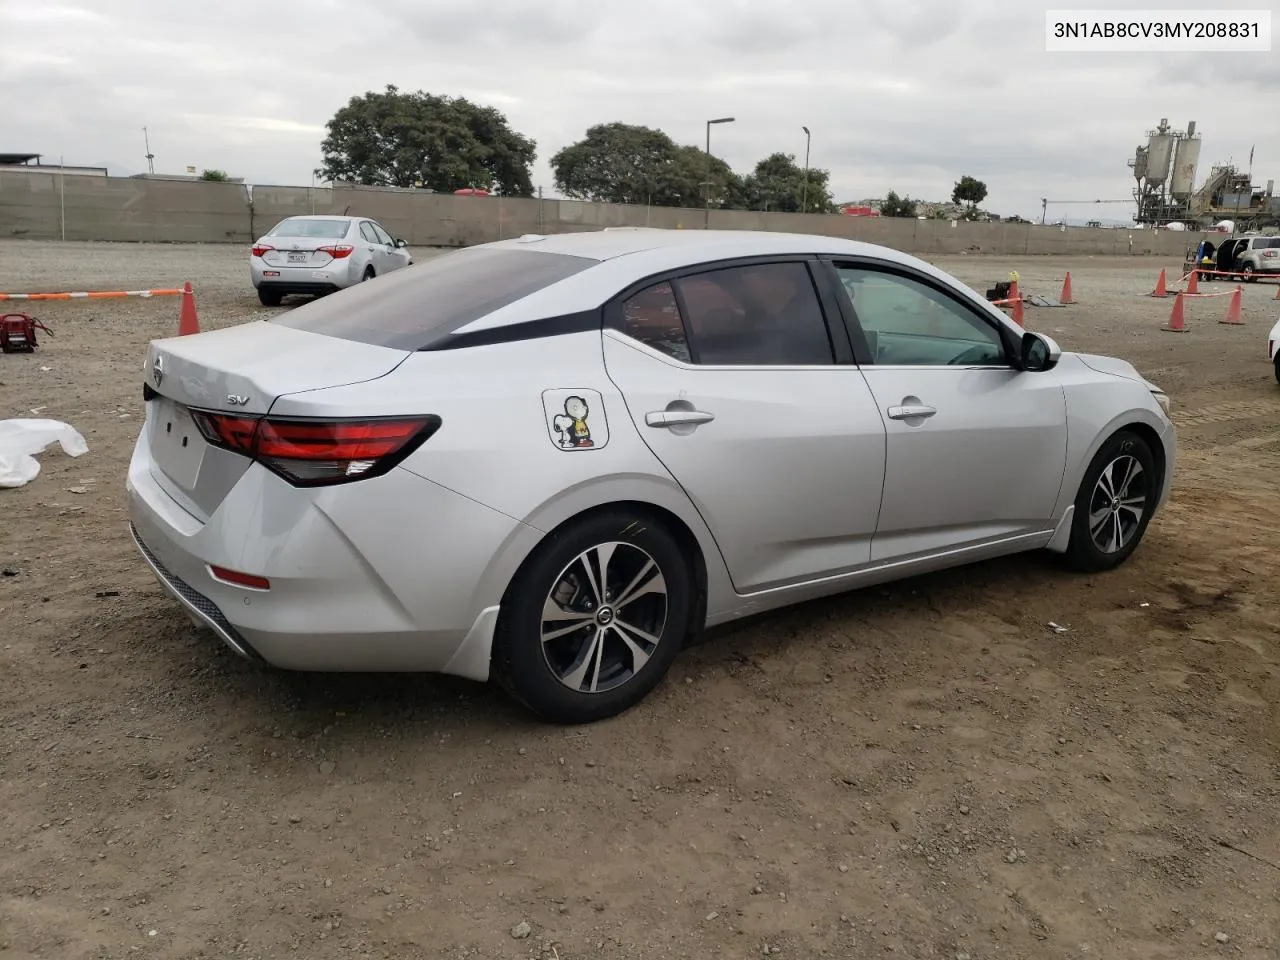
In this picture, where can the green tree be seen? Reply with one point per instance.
(895, 206)
(218, 175)
(627, 163)
(445, 143)
(778, 183)
(970, 192)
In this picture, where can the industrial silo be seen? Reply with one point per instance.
(1159, 153)
(1186, 157)
(1140, 163)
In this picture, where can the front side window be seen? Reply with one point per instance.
(910, 323)
(366, 231)
(382, 235)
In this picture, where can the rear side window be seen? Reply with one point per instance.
(760, 315)
(322, 229)
(418, 307)
(1267, 243)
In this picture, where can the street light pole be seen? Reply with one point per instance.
(804, 197)
(707, 221)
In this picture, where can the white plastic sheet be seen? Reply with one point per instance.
(21, 440)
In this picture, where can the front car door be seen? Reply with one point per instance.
(976, 449)
(395, 256)
(743, 386)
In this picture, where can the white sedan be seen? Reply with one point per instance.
(549, 460)
(320, 254)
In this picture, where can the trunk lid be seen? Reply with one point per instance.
(240, 370)
(299, 251)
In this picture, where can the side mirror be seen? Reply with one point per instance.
(1039, 352)
(400, 244)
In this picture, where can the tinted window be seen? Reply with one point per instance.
(323, 229)
(1267, 243)
(652, 317)
(765, 314)
(418, 307)
(907, 322)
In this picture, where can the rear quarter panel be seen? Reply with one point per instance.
(497, 444)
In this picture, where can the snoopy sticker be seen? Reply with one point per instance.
(572, 424)
(576, 419)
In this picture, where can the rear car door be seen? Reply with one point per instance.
(743, 386)
(375, 250)
(976, 449)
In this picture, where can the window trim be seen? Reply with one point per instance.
(1009, 340)
(832, 319)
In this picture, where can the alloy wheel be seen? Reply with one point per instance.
(604, 617)
(1118, 504)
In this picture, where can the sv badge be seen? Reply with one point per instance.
(236, 399)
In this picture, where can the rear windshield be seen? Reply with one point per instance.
(297, 227)
(417, 307)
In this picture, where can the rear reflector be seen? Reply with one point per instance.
(238, 579)
(312, 453)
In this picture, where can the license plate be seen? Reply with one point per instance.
(177, 446)
(297, 258)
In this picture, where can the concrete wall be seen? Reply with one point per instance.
(42, 206)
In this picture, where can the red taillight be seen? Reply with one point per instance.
(1270, 253)
(261, 249)
(337, 250)
(310, 453)
(236, 578)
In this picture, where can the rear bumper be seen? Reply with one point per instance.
(384, 579)
(285, 288)
(305, 279)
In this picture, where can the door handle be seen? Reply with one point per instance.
(677, 418)
(911, 411)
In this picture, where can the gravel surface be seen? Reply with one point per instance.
(926, 770)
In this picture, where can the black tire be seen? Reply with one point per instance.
(269, 298)
(1277, 365)
(530, 669)
(369, 274)
(1246, 273)
(1084, 552)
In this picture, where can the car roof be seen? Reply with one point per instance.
(624, 257)
(695, 246)
(322, 216)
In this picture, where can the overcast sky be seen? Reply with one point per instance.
(905, 94)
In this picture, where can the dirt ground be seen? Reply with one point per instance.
(929, 770)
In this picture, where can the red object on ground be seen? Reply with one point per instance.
(1233, 308)
(1176, 322)
(1016, 297)
(1193, 285)
(1160, 290)
(187, 321)
(859, 211)
(18, 333)
(471, 192)
(1066, 290)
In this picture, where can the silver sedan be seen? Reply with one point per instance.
(548, 460)
(321, 254)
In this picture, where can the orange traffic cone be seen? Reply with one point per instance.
(1016, 297)
(1233, 308)
(1160, 290)
(1193, 286)
(1066, 290)
(187, 320)
(1176, 322)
